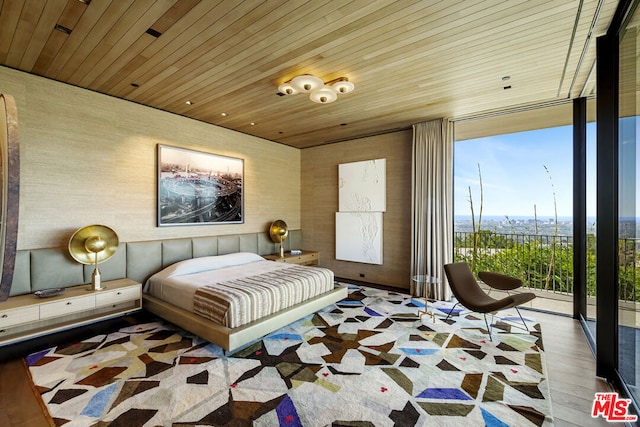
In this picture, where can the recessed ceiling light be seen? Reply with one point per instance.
(505, 78)
(223, 114)
(85, 2)
(153, 32)
(62, 29)
(253, 123)
(188, 102)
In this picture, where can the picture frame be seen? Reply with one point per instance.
(198, 188)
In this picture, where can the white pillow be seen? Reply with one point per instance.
(197, 265)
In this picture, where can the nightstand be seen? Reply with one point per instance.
(27, 316)
(306, 258)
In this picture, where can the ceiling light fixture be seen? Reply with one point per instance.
(318, 90)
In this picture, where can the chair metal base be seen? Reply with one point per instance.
(486, 322)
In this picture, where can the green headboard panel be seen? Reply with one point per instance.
(38, 269)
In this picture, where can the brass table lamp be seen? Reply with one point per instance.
(278, 233)
(93, 244)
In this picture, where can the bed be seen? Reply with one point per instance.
(234, 299)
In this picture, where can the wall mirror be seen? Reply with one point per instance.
(10, 189)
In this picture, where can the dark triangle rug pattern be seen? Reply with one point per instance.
(368, 360)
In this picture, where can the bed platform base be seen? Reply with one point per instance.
(231, 339)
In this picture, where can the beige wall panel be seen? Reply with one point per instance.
(320, 203)
(87, 158)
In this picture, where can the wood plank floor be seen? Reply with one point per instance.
(571, 368)
(569, 361)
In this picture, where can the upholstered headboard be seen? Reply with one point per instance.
(38, 269)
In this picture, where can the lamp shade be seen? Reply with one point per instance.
(306, 83)
(343, 86)
(324, 95)
(287, 89)
(93, 243)
(278, 231)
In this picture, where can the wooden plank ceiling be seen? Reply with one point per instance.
(410, 60)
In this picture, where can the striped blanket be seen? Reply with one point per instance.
(237, 302)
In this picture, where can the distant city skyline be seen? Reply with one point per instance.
(546, 225)
(514, 178)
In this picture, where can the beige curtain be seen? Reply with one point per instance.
(432, 202)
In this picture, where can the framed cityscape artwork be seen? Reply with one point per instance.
(196, 188)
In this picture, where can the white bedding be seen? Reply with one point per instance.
(178, 283)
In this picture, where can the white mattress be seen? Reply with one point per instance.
(177, 284)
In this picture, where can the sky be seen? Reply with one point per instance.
(520, 171)
(201, 160)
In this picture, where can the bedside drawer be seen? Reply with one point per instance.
(304, 259)
(67, 306)
(117, 296)
(18, 316)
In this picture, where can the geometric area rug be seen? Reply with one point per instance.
(368, 360)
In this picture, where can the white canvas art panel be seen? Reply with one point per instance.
(359, 237)
(362, 186)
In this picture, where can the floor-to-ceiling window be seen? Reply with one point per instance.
(513, 202)
(590, 314)
(629, 207)
(618, 150)
(612, 279)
